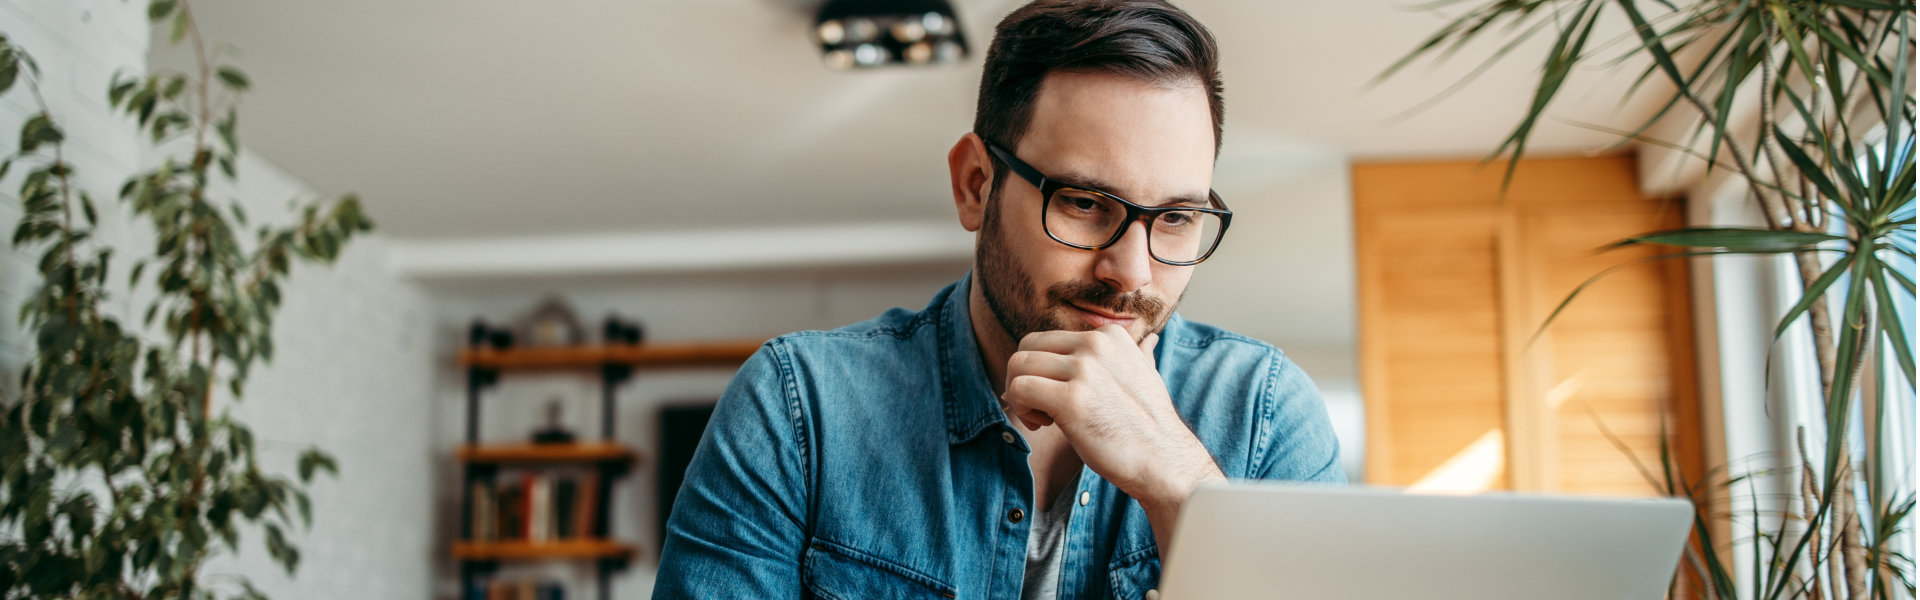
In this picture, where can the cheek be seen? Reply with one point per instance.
(1171, 281)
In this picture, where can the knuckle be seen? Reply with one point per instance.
(1022, 385)
(1018, 362)
(1097, 341)
(1031, 338)
(1084, 365)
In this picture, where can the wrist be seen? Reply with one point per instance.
(1165, 493)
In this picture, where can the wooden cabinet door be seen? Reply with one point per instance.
(1464, 391)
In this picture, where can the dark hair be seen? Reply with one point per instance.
(1149, 40)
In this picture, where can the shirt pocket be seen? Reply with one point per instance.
(840, 573)
(1131, 577)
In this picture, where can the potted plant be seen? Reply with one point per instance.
(1824, 75)
(119, 473)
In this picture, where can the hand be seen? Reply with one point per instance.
(1104, 393)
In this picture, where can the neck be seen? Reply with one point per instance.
(996, 347)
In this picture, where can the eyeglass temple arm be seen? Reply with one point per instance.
(1019, 168)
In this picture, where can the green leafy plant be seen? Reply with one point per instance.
(118, 478)
(1824, 75)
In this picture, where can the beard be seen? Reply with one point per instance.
(1007, 287)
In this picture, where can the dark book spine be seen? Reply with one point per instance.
(525, 509)
(508, 508)
(564, 491)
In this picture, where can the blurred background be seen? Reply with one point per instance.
(702, 173)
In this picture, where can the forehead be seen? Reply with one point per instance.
(1144, 140)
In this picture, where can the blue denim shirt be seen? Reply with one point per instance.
(873, 461)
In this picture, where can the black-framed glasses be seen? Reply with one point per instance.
(1094, 220)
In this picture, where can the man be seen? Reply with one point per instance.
(1033, 431)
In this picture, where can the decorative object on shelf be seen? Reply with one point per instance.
(622, 331)
(878, 33)
(551, 323)
(481, 335)
(553, 432)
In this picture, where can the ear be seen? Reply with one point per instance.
(972, 175)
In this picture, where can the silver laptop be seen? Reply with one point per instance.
(1276, 540)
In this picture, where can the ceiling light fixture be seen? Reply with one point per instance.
(876, 33)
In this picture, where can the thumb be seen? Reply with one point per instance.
(1147, 345)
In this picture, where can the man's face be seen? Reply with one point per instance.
(1146, 142)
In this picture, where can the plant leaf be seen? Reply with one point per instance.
(234, 79)
(1890, 325)
(1813, 293)
(1737, 239)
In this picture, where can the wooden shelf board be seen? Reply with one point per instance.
(521, 550)
(715, 354)
(533, 453)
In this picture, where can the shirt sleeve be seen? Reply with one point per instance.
(1297, 443)
(737, 528)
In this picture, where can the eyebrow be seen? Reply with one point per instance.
(1079, 180)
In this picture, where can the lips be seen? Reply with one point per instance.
(1100, 318)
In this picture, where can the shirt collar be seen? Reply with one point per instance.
(971, 404)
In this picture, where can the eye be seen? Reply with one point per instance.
(1077, 204)
(1176, 220)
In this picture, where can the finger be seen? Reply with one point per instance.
(1032, 419)
(1044, 364)
(1035, 393)
(1057, 341)
(1147, 346)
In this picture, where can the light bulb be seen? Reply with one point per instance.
(868, 55)
(947, 52)
(934, 23)
(919, 53)
(831, 32)
(861, 30)
(839, 59)
(908, 31)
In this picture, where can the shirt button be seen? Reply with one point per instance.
(1016, 515)
(1007, 435)
(1153, 595)
(1085, 497)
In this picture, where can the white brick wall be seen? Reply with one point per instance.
(352, 372)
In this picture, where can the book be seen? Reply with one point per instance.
(540, 508)
(586, 509)
(525, 511)
(485, 517)
(506, 512)
(564, 491)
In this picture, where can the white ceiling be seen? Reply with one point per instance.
(493, 118)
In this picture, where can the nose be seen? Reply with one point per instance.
(1126, 265)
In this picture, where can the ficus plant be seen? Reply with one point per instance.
(120, 476)
(1829, 163)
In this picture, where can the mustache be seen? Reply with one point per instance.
(1103, 296)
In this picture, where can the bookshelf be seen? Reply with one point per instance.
(542, 550)
(577, 453)
(691, 354)
(588, 537)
